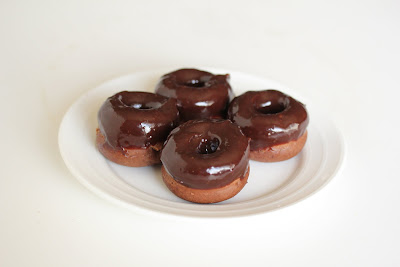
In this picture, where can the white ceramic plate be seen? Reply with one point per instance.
(270, 185)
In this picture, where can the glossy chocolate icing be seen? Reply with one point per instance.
(268, 117)
(137, 119)
(206, 154)
(199, 94)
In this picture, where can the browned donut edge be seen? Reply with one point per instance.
(279, 152)
(132, 157)
(204, 196)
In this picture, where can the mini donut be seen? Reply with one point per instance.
(133, 127)
(199, 94)
(275, 123)
(206, 161)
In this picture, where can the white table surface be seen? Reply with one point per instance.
(343, 55)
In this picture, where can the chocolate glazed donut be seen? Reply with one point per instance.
(275, 123)
(199, 94)
(206, 161)
(133, 126)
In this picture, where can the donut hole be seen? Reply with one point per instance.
(195, 83)
(193, 79)
(208, 146)
(271, 106)
(139, 106)
(144, 106)
(141, 100)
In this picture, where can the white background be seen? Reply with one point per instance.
(343, 55)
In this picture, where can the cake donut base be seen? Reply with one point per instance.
(279, 152)
(204, 196)
(131, 157)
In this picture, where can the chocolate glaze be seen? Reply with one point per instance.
(137, 119)
(199, 94)
(268, 117)
(206, 154)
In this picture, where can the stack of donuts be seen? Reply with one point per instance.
(202, 135)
